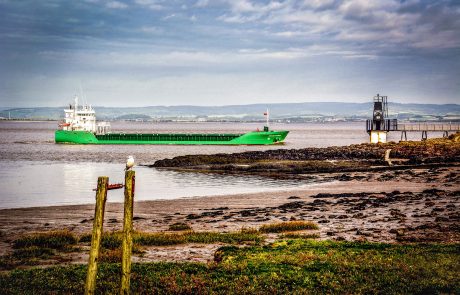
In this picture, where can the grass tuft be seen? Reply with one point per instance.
(113, 240)
(287, 226)
(33, 252)
(179, 226)
(164, 239)
(110, 240)
(57, 239)
(158, 239)
(111, 255)
(296, 235)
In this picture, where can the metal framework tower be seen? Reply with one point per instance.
(380, 124)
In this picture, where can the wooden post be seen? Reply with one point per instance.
(127, 232)
(101, 197)
(387, 157)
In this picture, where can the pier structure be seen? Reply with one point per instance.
(426, 127)
(379, 126)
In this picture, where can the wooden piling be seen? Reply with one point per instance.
(101, 197)
(387, 157)
(127, 232)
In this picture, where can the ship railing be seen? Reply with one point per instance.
(102, 128)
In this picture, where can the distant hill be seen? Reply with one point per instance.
(281, 111)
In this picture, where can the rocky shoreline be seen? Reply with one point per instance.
(354, 158)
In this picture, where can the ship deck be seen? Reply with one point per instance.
(173, 137)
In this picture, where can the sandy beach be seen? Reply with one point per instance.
(420, 205)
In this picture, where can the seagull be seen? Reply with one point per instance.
(129, 163)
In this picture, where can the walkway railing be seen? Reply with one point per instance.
(428, 127)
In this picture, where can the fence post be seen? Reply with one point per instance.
(101, 197)
(127, 232)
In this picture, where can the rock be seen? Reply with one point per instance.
(212, 213)
(450, 207)
(396, 213)
(220, 208)
(397, 232)
(441, 219)
(320, 202)
(362, 233)
(193, 216)
(343, 177)
(359, 215)
(292, 205)
(432, 191)
(247, 213)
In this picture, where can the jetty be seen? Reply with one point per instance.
(380, 124)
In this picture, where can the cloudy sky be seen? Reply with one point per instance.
(217, 52)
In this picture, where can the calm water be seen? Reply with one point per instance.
(34, 171)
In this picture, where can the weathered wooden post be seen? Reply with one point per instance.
(101, 197)
(127, 232)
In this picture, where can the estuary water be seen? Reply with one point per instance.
(34, 171)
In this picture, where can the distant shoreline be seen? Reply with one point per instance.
(233, 121)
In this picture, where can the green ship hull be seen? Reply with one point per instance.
(250, 138)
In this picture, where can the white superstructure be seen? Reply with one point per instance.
(83, 118)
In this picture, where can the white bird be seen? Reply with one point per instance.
(129, 163)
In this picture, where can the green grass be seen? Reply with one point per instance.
(33, 252)
(159, 239)
(112, 240)
(33, 248)
(284, 267)
(179, 226)
(25, 256)
(162, 239)
(296, 235)
(287, 226)
(58, 239)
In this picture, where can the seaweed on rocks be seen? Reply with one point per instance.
(357, 157)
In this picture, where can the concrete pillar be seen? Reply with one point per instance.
(378, 136)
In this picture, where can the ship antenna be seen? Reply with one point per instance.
(85, 102)
(268, 117)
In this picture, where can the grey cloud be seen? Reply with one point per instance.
(294, 49)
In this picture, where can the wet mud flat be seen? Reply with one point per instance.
(420, 205)
(415, 199)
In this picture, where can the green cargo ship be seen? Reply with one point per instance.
(86, 137)
(79, 127)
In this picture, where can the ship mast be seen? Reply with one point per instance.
(75, 107)
(267, 118)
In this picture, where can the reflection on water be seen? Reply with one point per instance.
(30, 184)
(34, 171)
